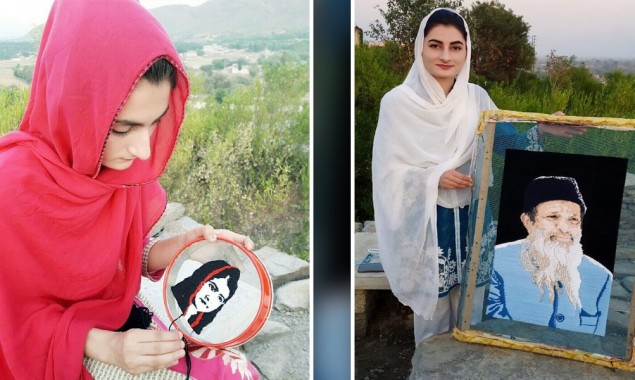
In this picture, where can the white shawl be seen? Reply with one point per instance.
(420, 134)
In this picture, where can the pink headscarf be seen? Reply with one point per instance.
(72, 231)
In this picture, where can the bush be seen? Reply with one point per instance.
(373, 78)
(243, 164)
(13, 102)
(582, 94)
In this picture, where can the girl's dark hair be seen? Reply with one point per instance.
(445, 17)
(161, 70)
(184, 290)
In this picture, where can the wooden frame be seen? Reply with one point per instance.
(473, 323)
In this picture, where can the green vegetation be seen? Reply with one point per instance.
(9, 50)
(13, 101)
(218, 84)
(242, 162)
(573, 90)
(373, 78)
(500, 39)
(295, 44)
(185, 46)
(221, 63)
(563, 85)
(23, 72)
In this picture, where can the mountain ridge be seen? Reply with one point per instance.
(234, 17)
(224, 17)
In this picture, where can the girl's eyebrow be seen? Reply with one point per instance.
(440, 42)
(132, 123)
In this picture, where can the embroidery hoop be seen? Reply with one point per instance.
(243, 315)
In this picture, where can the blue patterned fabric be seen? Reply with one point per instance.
(453, 247)
(513, 296)
(452, 223)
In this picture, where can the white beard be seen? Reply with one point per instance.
(550, 262)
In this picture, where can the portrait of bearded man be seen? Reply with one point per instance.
(546, 279)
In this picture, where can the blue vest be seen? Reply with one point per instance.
(513, 296)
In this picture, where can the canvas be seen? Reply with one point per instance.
(552, 227)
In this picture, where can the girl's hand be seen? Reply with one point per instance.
(140, 351)
(165, 249)
(211, 234)
(452, 179)
(136, 351)
(560, 129)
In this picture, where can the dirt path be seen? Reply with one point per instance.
(385, 352)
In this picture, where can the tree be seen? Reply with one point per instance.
(402, 19)
(373, 78)
(500, 42)
(245, 161)
(559, 69)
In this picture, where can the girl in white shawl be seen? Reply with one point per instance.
(421, 185)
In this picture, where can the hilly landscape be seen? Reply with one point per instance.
(229, 30)
(237, 18)
(224, 18)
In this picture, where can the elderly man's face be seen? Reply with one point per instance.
(560, 221)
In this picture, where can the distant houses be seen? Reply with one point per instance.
(233, 69)
(222, 59)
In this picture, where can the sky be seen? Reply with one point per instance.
(584, 28)
(17, 18)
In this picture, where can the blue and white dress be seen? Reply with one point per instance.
(513, 296)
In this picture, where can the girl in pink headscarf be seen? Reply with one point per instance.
(79, 194)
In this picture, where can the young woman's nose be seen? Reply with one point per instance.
(140, 144)
(445, 54)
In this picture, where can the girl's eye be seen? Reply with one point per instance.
(457, 48)
(120, 131)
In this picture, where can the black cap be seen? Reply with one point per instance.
(552, 188)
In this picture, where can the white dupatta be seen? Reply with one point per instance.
(420, 134)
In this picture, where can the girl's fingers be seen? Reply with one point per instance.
(243, 240)
(161, 348)
(248, 243)
(209, 233)
(152, 336)
(148, 363)
(148, 350)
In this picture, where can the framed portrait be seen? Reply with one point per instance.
(552, 237)
(218, 294)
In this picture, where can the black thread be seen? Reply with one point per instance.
(188, 360)
(140, 317)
